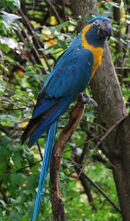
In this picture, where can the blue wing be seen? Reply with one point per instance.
(69, 77)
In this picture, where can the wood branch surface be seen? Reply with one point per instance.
(57, 204)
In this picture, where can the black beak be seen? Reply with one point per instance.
(105, 30)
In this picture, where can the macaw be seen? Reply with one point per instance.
(70, 76)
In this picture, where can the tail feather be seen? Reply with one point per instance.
(44, 169)
(44, 118)
(32, 125)
(40, 110)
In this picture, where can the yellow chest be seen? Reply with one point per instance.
(97, 52)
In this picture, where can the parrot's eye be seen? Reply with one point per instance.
(96, 23)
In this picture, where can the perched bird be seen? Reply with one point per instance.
(70, 76)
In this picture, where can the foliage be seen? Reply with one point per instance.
(22, 74)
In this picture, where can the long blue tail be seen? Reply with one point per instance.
(44, 169)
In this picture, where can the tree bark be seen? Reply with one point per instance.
(57, 204)
(121, 170)
(83, 7)
(119, 48)
(106, 91)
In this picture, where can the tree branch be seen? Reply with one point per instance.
(39, 149)
(109, 131)
(37, 40)
(54, 10)
(57, 204)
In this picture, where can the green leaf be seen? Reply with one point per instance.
(5, 48)
(14, 215)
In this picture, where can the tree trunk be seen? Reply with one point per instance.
(119, 49)
(83, 7)
(106, 91)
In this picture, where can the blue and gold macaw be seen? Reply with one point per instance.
(70, 76)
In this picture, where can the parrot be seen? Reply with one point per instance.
(70, 76)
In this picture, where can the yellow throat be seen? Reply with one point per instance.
(97, 52)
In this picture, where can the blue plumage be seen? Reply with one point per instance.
(56, 111)
(70, 76)
(75, 68)
(61, 89)
(45, 165)
(99, 17)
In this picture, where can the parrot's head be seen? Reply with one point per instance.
(99, 30)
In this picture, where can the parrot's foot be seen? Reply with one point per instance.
(88, 100)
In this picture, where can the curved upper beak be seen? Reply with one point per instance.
(107, 27)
